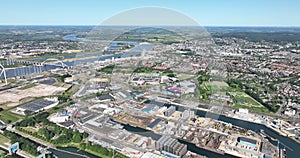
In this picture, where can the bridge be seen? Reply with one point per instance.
(3, 73)
(63, 65)
(11, 61)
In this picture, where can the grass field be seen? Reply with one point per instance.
(216, 87)
(30, 129)
(185, 76)
(240, 98)
(9, 117)
(3, 140)
(247, 100)
(252, 108)
(243, 100)
(28, 86)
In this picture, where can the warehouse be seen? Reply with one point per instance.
(38, 105)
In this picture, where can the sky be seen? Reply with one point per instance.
(205, 12)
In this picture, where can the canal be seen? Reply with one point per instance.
(190, 146)
(71, 152)
(292, 147)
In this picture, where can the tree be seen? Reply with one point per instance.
(77, 138)
(171, 75)
(57, 130)
(83, 146)
(85, 135)
(27, 112)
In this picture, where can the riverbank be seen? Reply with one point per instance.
(283, 141)
(206, 148)
(19, 154)
(283, 133)
(248, 117)
(190, 146)
(214, 115)
(78, 147)
(93, 151)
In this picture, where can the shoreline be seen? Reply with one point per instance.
(251, 121)
(278, 131)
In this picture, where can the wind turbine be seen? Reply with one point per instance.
(3, 72)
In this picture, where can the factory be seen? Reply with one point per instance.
(170, 147)
(60, 116)
(170, 111)
(38, 105)
(247, 141)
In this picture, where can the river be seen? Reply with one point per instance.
(190, 146)
(68, 153)
(292, 147)
(97, 56)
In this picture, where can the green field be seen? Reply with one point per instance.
(182, 76)
(28, 86)
(247, 100)
(257, 109)
(9, 117)
(216, 87)
(3, 140)
(243, 100)
(239, 97)
(107, 69)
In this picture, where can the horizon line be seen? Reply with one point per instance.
(278, 26)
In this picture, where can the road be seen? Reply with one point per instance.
(46, 144)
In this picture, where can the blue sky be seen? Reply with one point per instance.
(205, 12)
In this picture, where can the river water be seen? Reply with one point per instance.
(76, 152)
(97, 56)
(190, 146)
(293, 148)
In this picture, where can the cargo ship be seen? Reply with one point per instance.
(267, 135)
(282, 153)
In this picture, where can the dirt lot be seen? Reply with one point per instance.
(15, 96)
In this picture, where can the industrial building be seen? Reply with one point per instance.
(170, 145)
(247, 141)
(151, 155)
(2, 125)
(60, 116)
(186, 114)
(170, 111)
(105, 98)
(38, 105)
(153, 124)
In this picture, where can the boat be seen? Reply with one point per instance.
(282, 153)
(261, 134)
(267, 135)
